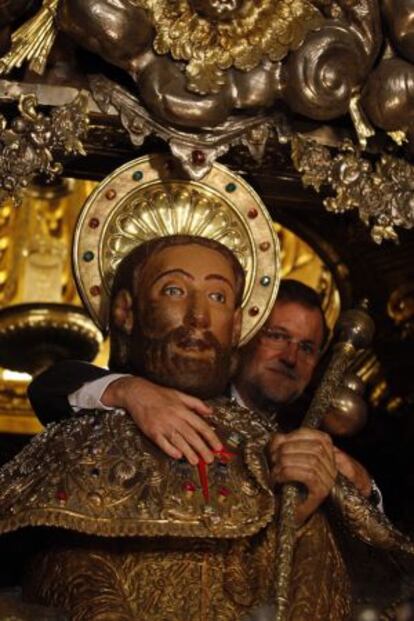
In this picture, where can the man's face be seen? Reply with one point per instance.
(185, 322)
(279, 363)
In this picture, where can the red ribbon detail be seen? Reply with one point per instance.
(224, 456)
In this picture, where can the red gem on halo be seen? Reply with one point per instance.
(264, 246)
(94, 223)
(110, 194)
(198, 157)
(252, 214)
(61, 495)
(253, 311)
(95, 290)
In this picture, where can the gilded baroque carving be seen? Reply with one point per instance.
(366, 521)
(220, 57)
(256, 31)
(110, 486)
(8, 270)
(399, 19)
(383, 193)
(195, 63)
(197, 151)
(27, 146)
(400, 308)
(388, 99)
(105, 478)
(33, 41)
(201, 581)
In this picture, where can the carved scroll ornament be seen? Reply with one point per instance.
(28, 146)
(255, 32)
(383, 193)
(195, 62)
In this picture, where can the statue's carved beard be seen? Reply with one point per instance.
(197, 366)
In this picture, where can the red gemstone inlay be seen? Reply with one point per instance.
(110, 194)
(253, 311)
(189, 486)
(198, 157)
(95, 290)
(61, 495)
(224, 491)
(264, 246)
(252, 213)
(94, 223)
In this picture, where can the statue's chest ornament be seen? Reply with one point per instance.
(224, 456)
(212, 489)
(98, 474)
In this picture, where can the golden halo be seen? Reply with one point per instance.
(149, 197)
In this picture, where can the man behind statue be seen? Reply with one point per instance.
(273, 373)
(169, 540)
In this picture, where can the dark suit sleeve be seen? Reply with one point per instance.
(48, 393)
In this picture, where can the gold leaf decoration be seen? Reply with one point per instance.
(150, 197)
(267, 29)
(29, 145)
(382, 192)
(33, 41)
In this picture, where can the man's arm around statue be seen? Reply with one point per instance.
(270, 374)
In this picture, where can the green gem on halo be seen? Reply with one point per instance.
(88, 256)
(231, 187)
(137, 175)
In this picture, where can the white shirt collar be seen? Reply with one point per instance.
(234, 393)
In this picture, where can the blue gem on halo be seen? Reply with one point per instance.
(231, 187)
(137, 175)
(88, 256)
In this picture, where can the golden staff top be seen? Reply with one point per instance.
(150, 197)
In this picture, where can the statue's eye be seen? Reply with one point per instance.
(218, 297)
(173, 291)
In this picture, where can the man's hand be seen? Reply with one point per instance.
(354, 471)
(304, 456)
(170, 418)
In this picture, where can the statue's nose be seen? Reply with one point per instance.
(198, 314)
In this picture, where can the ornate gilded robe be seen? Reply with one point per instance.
(135, 535)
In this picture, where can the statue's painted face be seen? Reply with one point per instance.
(217, 9)
(185, 321)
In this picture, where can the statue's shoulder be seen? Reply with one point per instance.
(98, 474)
(254, 425)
